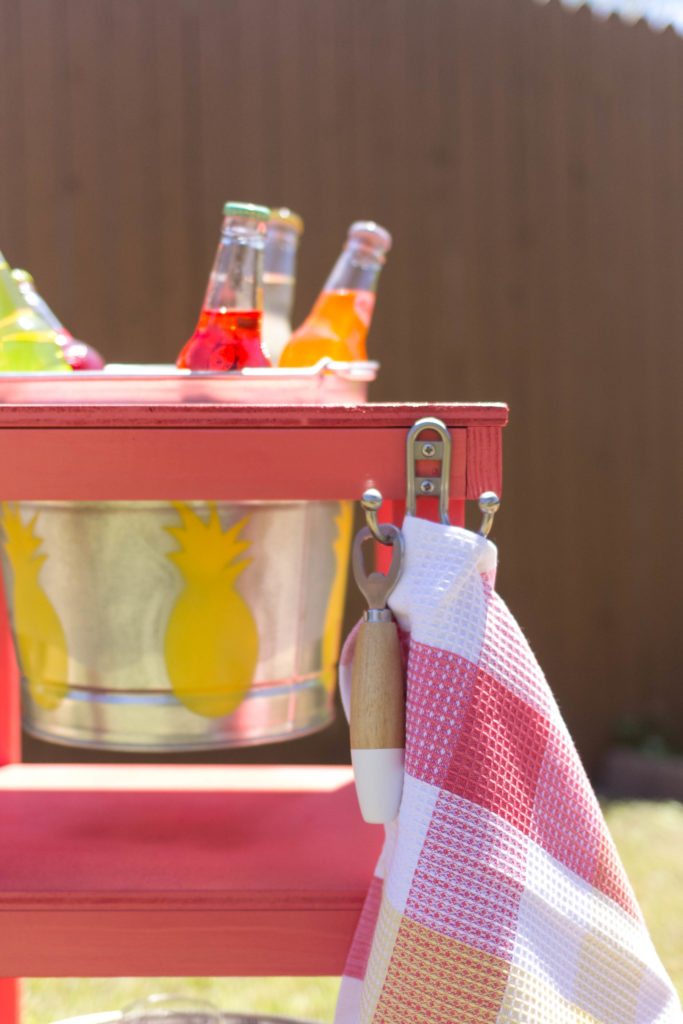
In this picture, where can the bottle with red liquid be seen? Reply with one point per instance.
(338, 324)
(228, 335)
(78, 355)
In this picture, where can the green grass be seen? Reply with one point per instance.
(51, 999)
(648, 835)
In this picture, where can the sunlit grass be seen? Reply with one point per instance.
(51, 999)
(649, 837)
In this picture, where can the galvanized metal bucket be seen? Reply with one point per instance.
(179, 626)
(175, 626)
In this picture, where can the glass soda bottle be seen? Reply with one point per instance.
(28, 343)
(338, 323)
(279, 278)
(228, 335)
(78, 355)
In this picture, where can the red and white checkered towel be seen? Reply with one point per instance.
(499, 895)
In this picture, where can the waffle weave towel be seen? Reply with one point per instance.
(499, 895)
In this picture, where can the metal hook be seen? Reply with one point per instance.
(371, 502)
(489, 503)
(428, 486)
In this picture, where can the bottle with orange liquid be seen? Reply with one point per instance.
(338, 324)
(228, 335)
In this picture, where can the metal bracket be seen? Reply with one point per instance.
(438, 451)
(419, 449)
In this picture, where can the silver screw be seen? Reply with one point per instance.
(428, 450)
(427, 487)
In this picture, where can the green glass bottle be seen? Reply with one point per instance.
(28, 343)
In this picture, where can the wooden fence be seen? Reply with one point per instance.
(527, 160)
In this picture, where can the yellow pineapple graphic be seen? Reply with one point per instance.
(39, 634)
(335, 606)
(212, 643)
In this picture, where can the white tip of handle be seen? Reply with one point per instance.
(379, 782)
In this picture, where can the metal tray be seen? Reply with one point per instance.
(326, 383)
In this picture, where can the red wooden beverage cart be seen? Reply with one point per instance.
(115, 870)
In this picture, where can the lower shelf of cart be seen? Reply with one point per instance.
(110, 870)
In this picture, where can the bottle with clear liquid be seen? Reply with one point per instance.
(228, 335)
(78, 355)
(338, 324)
(28, 343)
(279, 278)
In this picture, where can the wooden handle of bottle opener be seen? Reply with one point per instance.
(377, 720)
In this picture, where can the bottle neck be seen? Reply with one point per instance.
(236, 280)
(11, 298)
(357, 268)
(38, 304)
(279, 259)
(279, 280)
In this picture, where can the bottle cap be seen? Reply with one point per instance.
(283, 215)
(371, 233)
(246, 210)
